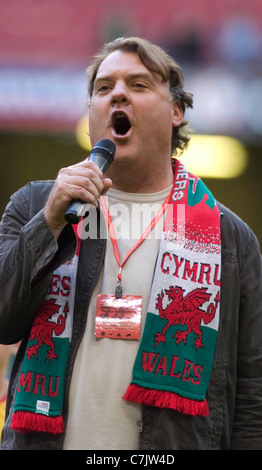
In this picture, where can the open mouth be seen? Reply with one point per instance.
(121, 124)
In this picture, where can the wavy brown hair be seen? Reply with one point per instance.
(158, 61)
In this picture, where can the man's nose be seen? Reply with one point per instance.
(120, 93)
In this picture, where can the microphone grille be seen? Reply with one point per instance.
(106, 148)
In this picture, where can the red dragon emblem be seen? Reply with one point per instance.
(185, 311)
(43, 329)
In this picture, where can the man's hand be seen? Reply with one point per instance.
(84, 181)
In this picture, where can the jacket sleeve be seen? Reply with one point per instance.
(28, 255)
(247, 430)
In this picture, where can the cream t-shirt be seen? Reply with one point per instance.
(99, 419)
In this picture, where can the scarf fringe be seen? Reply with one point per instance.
(165, 399)
(25, 422)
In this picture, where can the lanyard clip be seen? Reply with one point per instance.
(118, 291)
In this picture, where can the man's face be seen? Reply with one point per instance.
(132, 106)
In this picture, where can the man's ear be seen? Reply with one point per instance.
(177, 114)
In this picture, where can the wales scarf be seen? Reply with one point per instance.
(175, 355)
(39, 398)
(174, 361)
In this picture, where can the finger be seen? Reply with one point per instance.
(107, 182)
(82, 178)
(88, 164)
(87, 172)
(88, 193)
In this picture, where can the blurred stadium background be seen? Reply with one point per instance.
(45, 47)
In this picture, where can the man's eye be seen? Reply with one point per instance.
(139, 85)
(103, 88)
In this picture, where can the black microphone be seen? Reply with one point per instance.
(103, 155)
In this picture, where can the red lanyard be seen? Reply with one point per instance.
(133, 248)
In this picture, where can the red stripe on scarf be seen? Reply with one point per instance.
(25, 422)
(165, 399)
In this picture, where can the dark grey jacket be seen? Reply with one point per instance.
(29, 254)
